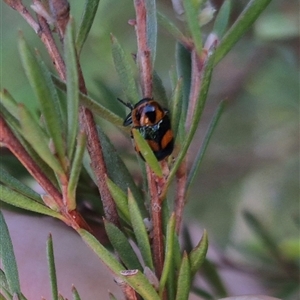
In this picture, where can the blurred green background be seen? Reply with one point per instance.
(252, 162)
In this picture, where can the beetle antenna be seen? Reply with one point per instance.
(128, 104)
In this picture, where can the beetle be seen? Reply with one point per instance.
(153, 123)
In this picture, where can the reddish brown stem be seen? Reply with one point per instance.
(156, 216)
(143, 54)
(98, 164)
(128, 291)
(181, 177)
(7, 137)
(87, 124)
(197, 68)
(12, 143)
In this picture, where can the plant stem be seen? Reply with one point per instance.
(87, 122)
(12, 143)
(143, 54)
(181, 177)
(156, 216)
(72, 218)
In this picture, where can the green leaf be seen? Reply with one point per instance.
(94, 106)
(40, 80)
(171, 28)
(15, 127)
(205, 82)
(184, 279)
(122, 246)
(9, 103)
(159, 92)
(256, 225)
(12, 183)
(18, 200)
(75, 170)
(147, 152)
(8, 258)
(140, 231)
(86, 23)
(191, 11)
(183, 66)
(37, 138)
(138, 281)
(198, 254)
(176, 106)
(199, 157)
(168, 254)
(75, 294)
(3, 280)
(222, 19)
(151, 20)
(240, 27)
(124, 71)
(72, 88)
(212, 276)
(120, 199)
(120, 174)
(52, 269)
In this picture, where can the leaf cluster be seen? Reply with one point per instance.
(63, 142)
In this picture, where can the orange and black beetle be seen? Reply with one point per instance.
(153, 122)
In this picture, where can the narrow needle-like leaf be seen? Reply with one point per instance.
(140, 231)
(120, 199)
(122, 246)
(94, 106)
(191, 9)
(206, 78)
(222, 19)
(52, 269)
(18, 186)
(147, 152)
(169, 253)
(15, 199)
(184, 279)
(9, 103)
(40, 80)
(75, 293)
(124, 71)
(171, 28)
(72, 89)
(138, 281)
(75, 170)
(37, 138)
(151, 20)
(198, 254)
(8, 259)
(202, 150)
(176, 106)
(239, 28)
(90, 9)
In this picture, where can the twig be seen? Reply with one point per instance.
(143, 53)
(86, 118)
(19, 7)
(156, 216)
(145, 71)
(7, 137)
(98, 164)
(181, 177)
(197, 68)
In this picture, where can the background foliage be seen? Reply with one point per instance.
(252, 163)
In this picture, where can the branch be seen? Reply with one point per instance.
(7, 137)
(143, 53)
